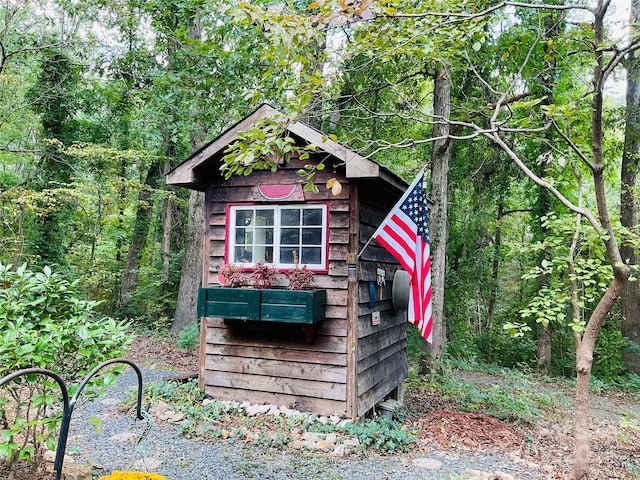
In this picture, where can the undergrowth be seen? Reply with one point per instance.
(219, 421)
(507, 395)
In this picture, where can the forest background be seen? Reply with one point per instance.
(100, 99)
(513, 107)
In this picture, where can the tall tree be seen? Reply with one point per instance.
(53, 97)
(438, 214)
(629, 198)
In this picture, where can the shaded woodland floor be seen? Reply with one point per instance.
(544, 445)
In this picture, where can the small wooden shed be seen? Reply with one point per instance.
(350, 353)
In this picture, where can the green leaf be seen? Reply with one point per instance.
(83, 332)
(95, 421)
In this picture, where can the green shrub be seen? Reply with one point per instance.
(45, 324)
(382, 434)
(189, 337)
(500, 348)
(414, 344)
(607, 354)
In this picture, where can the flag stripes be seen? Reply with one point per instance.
(405, 234)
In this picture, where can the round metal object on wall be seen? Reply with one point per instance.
(400, 290)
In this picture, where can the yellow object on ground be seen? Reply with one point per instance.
(132, 476)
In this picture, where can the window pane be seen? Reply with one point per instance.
(243, 255)
(312, 216)
(241, 236)
(290, 216)
(262, 253)
(311, 236)
(290, 236)
(268, 236)
(264, 218)
(286, 255)
(244, 217)
(311, 255)
(264, 236)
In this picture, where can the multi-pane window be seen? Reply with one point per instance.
(278, 234)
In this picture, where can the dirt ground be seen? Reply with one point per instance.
(545, 445)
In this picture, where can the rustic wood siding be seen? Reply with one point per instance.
(274, 364)
(381, 349)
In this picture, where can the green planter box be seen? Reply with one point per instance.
(235, 303)
(293, 306)
(269, 305)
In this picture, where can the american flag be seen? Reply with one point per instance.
(405, 234)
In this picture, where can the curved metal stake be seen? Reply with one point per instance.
(69, 405)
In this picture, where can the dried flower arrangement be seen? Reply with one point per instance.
(232, 275)
(300, 278)
(263, 276)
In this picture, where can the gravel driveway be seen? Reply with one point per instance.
(179, 458)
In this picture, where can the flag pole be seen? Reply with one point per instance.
(365, 246)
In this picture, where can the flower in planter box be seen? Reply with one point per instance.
(232, 276)
(116, 475)
(300, 278)
(263, 276)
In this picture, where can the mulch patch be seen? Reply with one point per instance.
(26, 471)
(451, 429)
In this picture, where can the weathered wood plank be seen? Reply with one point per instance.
(373, 343)
(267, 352)
(368, 270)
(336, 311)
(339, 205)
(381, 356)
(298, 402)
(275, 368)
(326, 281)
(219, 220)
(371, 397)
(333, 327)
(338, 252)
(340, 236)
(338, 268)
(352, 308)
(339, 220)
(336, 326)
(336, 296)
(388, 319)
(379, 371)
(321, 344)
(282, 385)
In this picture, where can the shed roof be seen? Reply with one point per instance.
(189, 173)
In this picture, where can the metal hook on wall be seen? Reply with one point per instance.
(69, 404)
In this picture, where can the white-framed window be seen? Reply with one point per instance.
(276, 233)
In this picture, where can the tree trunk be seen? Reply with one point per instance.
(139, 236)
(438, 214)
(544, 203)
(584, 361)
(630, 300)
(168, 216)
(192, 262)
(495, 266)
(191, 272)
(586, 344)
